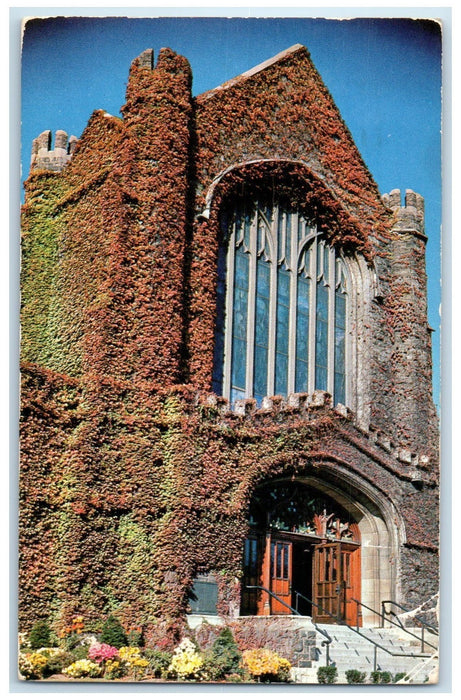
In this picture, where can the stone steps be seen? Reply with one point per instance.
(300, 640)
(349, 650)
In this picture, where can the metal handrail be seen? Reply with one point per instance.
(402, 607)
(338, 619)
(325, 634)
(279, 600)
(417, 669)
(400, 626)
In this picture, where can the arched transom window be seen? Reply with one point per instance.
(284, 294)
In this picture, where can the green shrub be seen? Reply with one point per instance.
(114, 669)
(353, 676)
(73, 643)
(398, 677)
(112, 633)
(380, 677)
(136, 638)
(80, 651)
(327, 674)
(56, 662)
(224, 658)
(40, 635)
(241, 677)
(159, 662)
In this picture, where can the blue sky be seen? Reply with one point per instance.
(384, 75)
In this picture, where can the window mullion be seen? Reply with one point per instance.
(283, 245)
(229, 313)
(331, 320)
(347, 343)
(273, 305)
(293, 303)
(312, 316)
(251, 305)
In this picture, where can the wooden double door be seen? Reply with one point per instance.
(336, 582)
(319, 579)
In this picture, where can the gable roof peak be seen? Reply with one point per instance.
(256, 69)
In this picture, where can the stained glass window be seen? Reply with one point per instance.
(340, 336)
(282, 332)
(286, 308)
(261, 328)
(240, 323)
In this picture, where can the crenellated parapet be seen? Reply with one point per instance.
(414, 466)
(44, 157)
(296, 403)
(410, 216)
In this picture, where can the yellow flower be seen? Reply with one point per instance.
(128, 654)
(32, 665)
(82, 668)
(131, 656)
(264, 662)
(186, 662)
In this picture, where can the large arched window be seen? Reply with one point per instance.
(282, 307)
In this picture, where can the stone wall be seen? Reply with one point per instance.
(288, 637)
(411, 361)
(291, 640)
(419, 584)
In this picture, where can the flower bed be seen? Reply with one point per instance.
(80, 654)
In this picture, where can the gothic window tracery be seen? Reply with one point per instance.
(296, 508)
(284, 292)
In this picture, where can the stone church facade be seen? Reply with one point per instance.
(226, 363)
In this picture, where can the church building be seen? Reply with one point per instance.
(226, 372)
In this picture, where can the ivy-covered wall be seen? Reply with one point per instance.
(130, 484)
(104, 241)
(139, 494)
(67, 251)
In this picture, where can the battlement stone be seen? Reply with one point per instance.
(306, 406)
(320, 398)
(146, 59)
(344, 411)
(245, 407)
(271, 404)
(298, 401)
(404, 455)
(423, 461)
(410, 216)
(44, 157)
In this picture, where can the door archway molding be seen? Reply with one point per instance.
(381, 527)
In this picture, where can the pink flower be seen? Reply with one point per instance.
(101, 652)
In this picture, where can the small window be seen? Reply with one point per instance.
(203, 597)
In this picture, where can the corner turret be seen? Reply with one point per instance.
(46, 158)
(413, 410)
(410, 216)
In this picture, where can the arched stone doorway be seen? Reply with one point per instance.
(320, 544)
